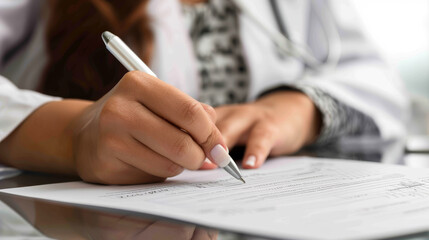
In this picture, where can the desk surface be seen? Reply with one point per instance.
(71, 222)
(23, 218)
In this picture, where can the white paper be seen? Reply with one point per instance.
(300, 198)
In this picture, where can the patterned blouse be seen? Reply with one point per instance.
(214, 30)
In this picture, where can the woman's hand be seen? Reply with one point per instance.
(144, 130)
(278, 123)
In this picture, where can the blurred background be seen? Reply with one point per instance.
(400, 29)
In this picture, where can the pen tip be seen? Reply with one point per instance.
(242, 180)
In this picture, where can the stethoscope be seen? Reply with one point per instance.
(286, 45)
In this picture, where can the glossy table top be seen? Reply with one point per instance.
(24, 218)
(75, 222)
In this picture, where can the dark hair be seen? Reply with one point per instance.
(79, 65)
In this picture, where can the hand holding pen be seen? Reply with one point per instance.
(145, 130)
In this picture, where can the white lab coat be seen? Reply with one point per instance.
(361, 79)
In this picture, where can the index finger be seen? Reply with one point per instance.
(184, 112)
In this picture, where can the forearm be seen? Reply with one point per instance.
(44, 141)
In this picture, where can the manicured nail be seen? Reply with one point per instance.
(220, 156)
(251, 161)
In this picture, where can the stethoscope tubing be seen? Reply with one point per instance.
(286, 45)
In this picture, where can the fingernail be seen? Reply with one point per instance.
(207, 161)
(251, 161)
(220, 156)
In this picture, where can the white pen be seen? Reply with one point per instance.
(132, 62)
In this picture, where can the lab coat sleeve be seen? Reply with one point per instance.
(15, 104)
(362, 80)
(339, 119)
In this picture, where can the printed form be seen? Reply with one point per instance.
(293, 197)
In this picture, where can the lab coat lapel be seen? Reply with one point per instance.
(267, 69)
(174, 60)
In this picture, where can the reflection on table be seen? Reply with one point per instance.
(73, 222)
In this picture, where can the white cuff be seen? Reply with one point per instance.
(16, 105)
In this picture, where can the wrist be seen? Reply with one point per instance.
(43, 142)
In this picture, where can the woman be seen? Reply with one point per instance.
(144, 129)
